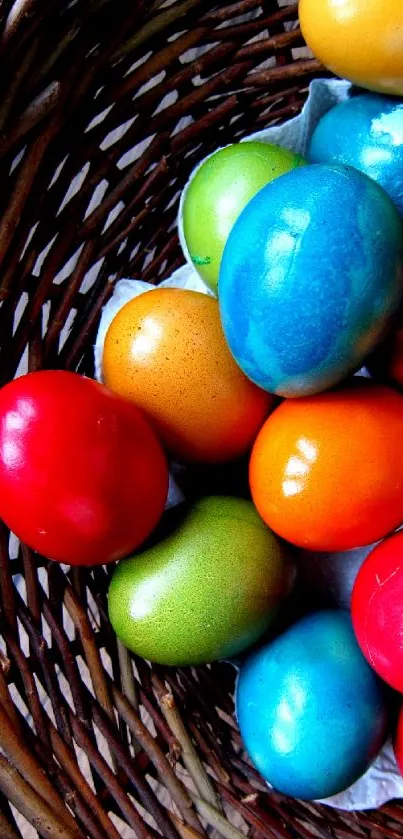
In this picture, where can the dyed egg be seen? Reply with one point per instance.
(311, 711)
(377, 610)
(326, 471)
(386, 364)
(398, 743)
(165, 351)
(207, 591)
(310, 278)
(365, 132)
(219, 190)
(360, 40)
(83, 478)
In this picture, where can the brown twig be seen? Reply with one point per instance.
(32, 806)
(102, 768)
(15, 83)
(189, 754)
(16, 751)
(68, 760)
(6, 584)
(29, 168)
(156, 25)
(40, 108)
(6, 830)
(177, 790)
(215, 818)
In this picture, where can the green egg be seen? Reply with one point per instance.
(219, 190)
(207, 592)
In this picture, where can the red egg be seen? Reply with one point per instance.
(83, 478)
(377, 610)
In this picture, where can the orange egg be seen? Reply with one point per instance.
(165, 350)
(326, 471)
(360, 40)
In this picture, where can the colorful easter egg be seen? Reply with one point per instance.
(365, 132)
(83, 478)
(326, 471)
(377, 610)
(311, 711)
(219, 190)
(310, 278)
(360, 40)
(165, 350)
(207, 591)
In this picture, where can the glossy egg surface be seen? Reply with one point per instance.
(310, 278)
(310, 709)
(359, 40)
(165, 350)
(377, 610)
(326, 471)
(207, 591)
(365, 132)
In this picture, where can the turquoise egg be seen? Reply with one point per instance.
(311, 278)
(311, 711)
(365, 132)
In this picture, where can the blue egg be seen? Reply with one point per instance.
(311, 711)
(365, 132)
(310, 278)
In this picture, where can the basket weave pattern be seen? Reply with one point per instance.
(105, 108)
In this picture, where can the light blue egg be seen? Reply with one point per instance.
(365, 132)
(310, 279)
(311, 711)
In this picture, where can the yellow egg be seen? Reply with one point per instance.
(359, 40)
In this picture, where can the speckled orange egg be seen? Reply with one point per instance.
(165, 350)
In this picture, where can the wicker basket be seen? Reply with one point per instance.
(105, 108)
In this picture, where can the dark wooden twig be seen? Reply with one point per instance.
(32, 806)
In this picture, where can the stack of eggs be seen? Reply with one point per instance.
(304, 263)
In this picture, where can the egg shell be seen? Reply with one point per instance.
(166, 351)
(206, 592)
(217, 192)
(311, 711)
(365, 132)
(359, 40)
(310, 278)
(326, 471)
(377, 610)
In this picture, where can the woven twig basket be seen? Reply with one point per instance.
(105, 108)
